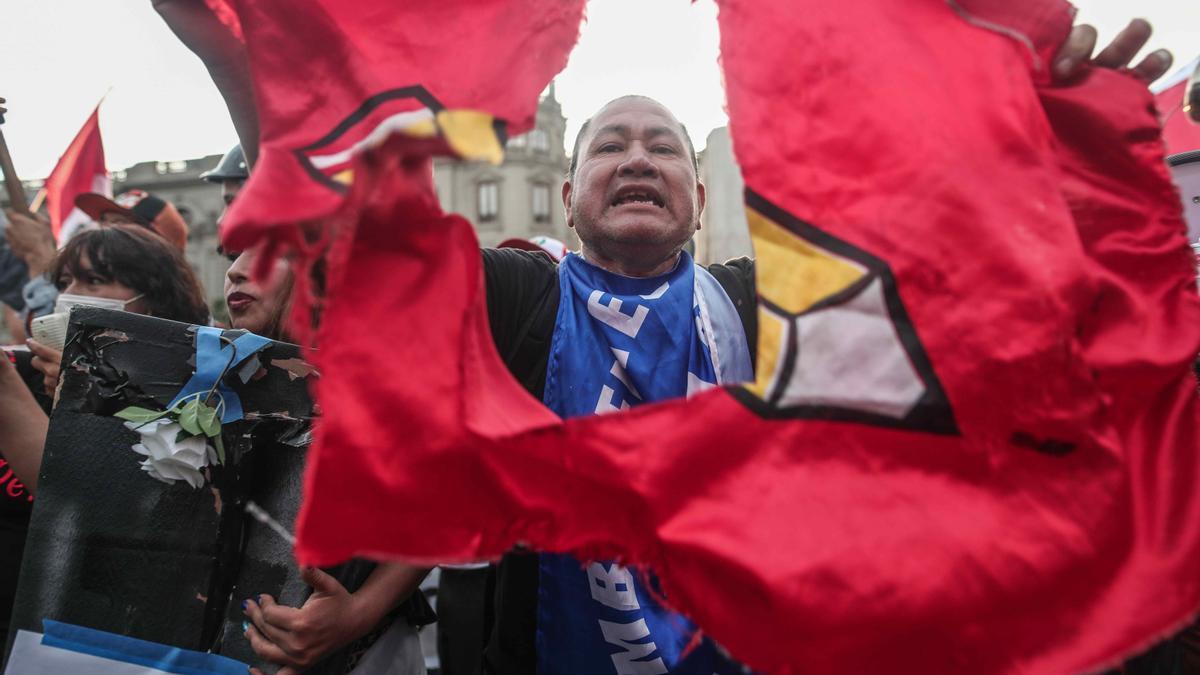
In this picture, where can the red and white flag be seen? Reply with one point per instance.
(1180, 133)
(80, 169)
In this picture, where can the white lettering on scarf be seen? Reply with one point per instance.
(625, 635)
(610, 314)
(612, 587)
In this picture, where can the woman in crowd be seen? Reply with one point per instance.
(125, 263)
(129, 264)
(260, 306)
(332, 617)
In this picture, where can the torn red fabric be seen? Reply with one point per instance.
(332, 77)
(1180, 133)
(1012, 490)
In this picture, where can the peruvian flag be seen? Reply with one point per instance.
(80, 169)
(1180, 133)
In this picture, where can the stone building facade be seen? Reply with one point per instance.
(724, 233)
(523, 196)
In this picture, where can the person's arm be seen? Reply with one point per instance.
(331, 618)
(24, 425)
(31, 240)
(224, 55)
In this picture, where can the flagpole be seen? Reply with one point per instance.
(12, 184)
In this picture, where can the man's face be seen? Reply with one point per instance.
(634, 198)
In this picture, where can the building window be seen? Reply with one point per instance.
(539, 141)
(541, 202)
(489, 200)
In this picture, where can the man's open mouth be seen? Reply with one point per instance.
(637, 197)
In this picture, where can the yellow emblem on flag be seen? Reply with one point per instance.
(834, 340)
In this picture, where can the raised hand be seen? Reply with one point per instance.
(1076, 52)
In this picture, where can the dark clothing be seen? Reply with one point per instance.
(13, 275)
(464, 609)
(16, 502)
(522, 298)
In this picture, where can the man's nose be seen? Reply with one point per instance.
(638, 162)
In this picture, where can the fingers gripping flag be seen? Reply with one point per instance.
(971, 441)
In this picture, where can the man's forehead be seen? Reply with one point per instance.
(643, 115)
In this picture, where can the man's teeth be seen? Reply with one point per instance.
(636, 197)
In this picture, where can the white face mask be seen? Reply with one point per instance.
(67, 300)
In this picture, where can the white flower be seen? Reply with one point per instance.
(169, 460)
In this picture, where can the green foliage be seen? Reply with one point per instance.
(140, 415)
(194, 416)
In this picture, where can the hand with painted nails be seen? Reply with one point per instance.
(1076, 53)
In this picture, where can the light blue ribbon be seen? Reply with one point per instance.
(214, 359)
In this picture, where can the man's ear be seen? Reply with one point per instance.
(566, 197)
(700, 201)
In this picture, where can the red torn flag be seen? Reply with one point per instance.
(334, 77)
(971, 445)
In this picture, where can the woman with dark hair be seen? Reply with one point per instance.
(123, 263)
(115, 262)
(128, 264)
(259, 305)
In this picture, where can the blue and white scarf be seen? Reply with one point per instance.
(620, 342)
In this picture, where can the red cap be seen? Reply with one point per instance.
(142, 208)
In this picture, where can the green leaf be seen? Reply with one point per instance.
(220, 447)
(183, 436)
(189, 418)
(140, 415)
(209, 422)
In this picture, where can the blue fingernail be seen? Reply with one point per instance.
(245, 604)
(258, 599)
(245, 626)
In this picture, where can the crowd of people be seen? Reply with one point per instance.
(633, 197)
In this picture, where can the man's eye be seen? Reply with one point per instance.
(609, 147)
(664, 150)
(97, 281)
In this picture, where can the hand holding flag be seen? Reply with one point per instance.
(31, 240)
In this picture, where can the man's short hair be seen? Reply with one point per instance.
(588, 123)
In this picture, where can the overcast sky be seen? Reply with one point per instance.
(58, 57)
